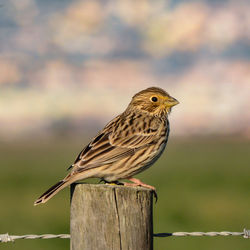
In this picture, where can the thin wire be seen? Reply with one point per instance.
(245, 234)
(10, 238)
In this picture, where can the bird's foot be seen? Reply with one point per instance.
(138, 183)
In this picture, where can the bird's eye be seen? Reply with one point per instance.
(154, 99)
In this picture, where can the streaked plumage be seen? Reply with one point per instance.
(127, 145)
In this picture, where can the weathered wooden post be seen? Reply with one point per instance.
(111, 217)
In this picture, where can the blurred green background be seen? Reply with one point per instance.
(203, 185)
(69, 66)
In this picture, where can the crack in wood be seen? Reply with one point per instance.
(118, 217)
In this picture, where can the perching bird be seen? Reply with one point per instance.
(128, 144)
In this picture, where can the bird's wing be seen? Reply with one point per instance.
(112, 144)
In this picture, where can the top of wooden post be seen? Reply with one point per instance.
(103, 187)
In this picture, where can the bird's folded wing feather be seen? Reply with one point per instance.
(110, 146)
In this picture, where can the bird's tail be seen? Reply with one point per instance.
(54, 190)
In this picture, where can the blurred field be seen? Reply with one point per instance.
(203, 185)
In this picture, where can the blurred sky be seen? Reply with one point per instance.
(76, 64)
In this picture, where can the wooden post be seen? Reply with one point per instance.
(111, 217)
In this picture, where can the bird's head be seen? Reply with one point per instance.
(154, 100)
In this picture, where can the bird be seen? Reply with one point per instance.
(126, 146)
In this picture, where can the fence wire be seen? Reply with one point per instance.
(10, 238)
(245, 234)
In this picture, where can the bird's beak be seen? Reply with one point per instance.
(171, 101)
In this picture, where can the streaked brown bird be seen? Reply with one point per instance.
(128, 144)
